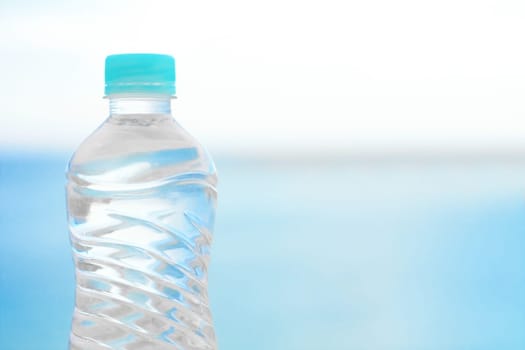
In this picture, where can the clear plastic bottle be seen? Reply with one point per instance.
(141, 199)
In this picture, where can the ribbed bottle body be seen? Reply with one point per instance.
(141, 199)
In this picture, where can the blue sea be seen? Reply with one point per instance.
(309, 253)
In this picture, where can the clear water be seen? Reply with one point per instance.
(141, 203)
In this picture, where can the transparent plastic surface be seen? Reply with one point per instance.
(141, 201)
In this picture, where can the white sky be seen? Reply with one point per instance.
(277, 74)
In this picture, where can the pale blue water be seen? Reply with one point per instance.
(355, 255)
(140, 227)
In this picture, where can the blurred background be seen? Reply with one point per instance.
(371, 159)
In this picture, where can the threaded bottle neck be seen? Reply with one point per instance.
(122, 105)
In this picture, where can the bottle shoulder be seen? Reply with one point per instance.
(140, 148)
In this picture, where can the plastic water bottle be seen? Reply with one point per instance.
(141, 201)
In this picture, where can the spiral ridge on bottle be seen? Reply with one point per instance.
(141, 260)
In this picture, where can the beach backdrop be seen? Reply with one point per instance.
(371, 160)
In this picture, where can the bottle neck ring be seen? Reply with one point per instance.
(125, 104)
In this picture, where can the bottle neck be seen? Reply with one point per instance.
(127, 105)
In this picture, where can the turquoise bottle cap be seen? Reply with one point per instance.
(140, 73)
